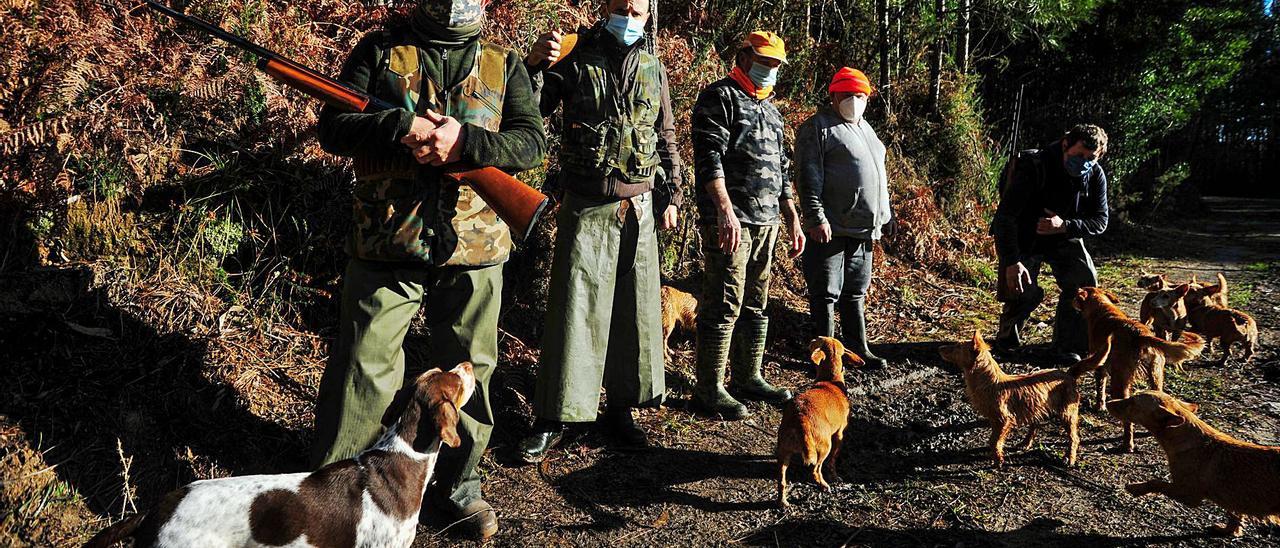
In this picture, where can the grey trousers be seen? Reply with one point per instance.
(1072, 269)
(838, 271)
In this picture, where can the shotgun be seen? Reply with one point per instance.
(518, 204)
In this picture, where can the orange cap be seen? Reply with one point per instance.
(766, 44)
(850, 80)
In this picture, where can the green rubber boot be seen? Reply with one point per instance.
(746, 360)
(709, 395)
(854, 323)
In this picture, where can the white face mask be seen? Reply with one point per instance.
(852, 107)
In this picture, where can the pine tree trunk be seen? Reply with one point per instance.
(882, 21)
(935, 68)
(962, 45)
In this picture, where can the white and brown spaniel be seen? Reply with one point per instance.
(371, 500)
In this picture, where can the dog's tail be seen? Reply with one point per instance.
(121, 530)
(1093, 361)
(1176, 352)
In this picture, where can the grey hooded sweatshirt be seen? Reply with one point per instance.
(841, 176)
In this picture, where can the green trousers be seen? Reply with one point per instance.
(367, 365)
(736, 285)
(604, 316)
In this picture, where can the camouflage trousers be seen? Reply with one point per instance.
(604, 315)
(367, 365)
(736, 286)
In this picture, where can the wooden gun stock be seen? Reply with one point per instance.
(518, 204)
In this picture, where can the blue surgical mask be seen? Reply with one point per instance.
(1077, 166)
(626, 29)
(763, 76)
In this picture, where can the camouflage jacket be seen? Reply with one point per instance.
(739, 138)
(404, 211)
(619, 132)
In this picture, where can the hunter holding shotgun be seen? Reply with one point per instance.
(420, 239)
(621, 174)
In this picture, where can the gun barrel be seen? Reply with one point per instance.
(515, 202)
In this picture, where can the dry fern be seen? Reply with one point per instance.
(32, 135)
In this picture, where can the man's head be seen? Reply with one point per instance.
(850, 89)
(454, 13)
(1082, 147)
(762, 47)
(626, 19)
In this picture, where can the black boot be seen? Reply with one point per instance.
(545, 435)
(622, 428)
(854, 322)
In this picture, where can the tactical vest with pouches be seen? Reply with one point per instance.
(606, 128)
(404, 211)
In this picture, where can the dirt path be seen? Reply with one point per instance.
(915, 470)
(100, 411)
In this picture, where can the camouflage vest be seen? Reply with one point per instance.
(607, 128)
(403, 210)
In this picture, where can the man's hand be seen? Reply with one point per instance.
(419, 132)
(797, 238)
(670, 218)
(890, 228)
(1017, 278)
(443, 145)
(546, 49)
(1051, 223)
(730, 231)
(821, 233)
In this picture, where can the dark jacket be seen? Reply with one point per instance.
(519, 145)
(739, 138)
(1039, 182)
(559, 85)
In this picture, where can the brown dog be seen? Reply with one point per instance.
(813, 423)
(678, 308)
(1009, 401)
(1215, 321)
(1205, 464)
(1216, 294)
(1120, 348)
(1165, 311)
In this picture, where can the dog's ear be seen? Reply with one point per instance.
(1170, 419)
(1082, 294)
(447, 424)
(978, 343)
(851, 357)
(1182, 290)
(398, 404)
(818, 355)
(1111, 295)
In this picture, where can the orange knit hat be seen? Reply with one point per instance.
(850, 80)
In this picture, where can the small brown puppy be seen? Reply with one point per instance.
(1009, 401)
(813, 423)
(1215, 321)
(1120, 348)
(1165, 311)
(678, 308)
(1205, 464)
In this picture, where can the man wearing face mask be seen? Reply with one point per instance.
(844, 194)
(618, 158)
(744, 192)
(418, 241)
(1051, 199)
